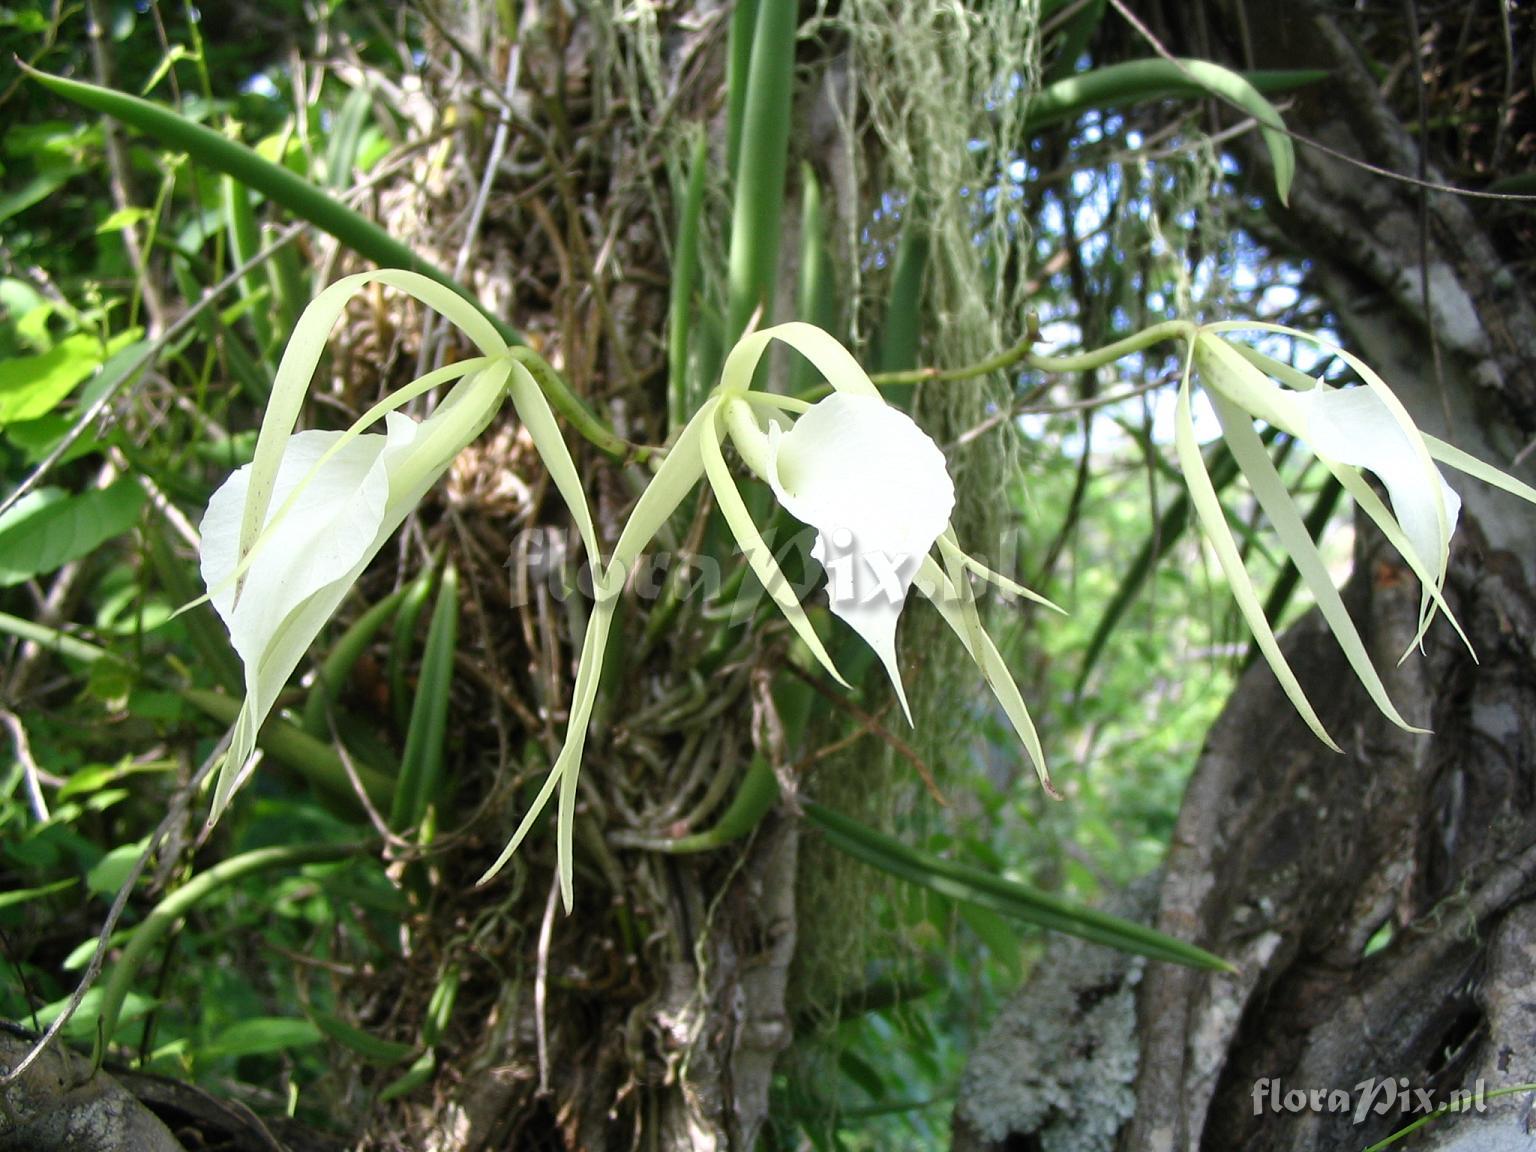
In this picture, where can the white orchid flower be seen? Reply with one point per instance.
(877, 490)
(878, 493)
(340, 499)
(872, 484)
(1348, 429)
(286, 536)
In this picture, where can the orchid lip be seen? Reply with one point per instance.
(877, 490)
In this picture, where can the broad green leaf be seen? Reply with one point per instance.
(374, 1049)
(37, 438)
(82, 1025)
(49, 528)
(29, 311)
(112, 869)
(34, 191)
(95, 777)
(260, 1037)
(33, 386)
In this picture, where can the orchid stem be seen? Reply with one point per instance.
(564, 401)
(746, 433)
(1023, 353)
(1002, 360)
(1098, 357)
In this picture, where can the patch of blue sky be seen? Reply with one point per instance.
(260, 84)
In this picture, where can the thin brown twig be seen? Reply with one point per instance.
(874, 726)
(35, 776)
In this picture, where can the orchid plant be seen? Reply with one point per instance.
(286, 536)
(863, 475)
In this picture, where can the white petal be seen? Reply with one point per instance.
(867, 591)
(875, 488)
(855, 462)
(1354, 426)
(305, 563)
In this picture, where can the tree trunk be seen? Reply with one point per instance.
(650, 1015)
(1297, 863)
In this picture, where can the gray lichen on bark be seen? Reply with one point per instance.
(1060, 1061)
(61, 1104)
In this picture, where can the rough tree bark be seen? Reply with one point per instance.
(1288, 858)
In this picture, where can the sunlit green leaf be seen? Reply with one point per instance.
(48, 528)
(33, 386)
